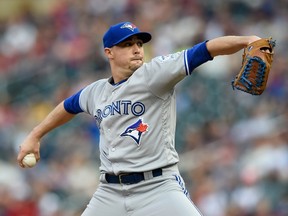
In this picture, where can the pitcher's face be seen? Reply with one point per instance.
(128, 54)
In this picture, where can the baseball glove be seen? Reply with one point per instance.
(256, 63)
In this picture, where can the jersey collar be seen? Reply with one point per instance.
(111, 81)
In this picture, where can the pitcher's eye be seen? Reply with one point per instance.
(128, 44)
(140, 43)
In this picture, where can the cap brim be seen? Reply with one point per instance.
(144, 36)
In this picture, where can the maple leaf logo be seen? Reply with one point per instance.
(136, 130)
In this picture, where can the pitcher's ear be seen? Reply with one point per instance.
(108, 52)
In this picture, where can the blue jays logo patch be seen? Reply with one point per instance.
(136, 130)
(129, 26)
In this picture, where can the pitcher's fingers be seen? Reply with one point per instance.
(37, 156)
(20, 157)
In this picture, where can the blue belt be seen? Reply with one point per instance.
(130, 178)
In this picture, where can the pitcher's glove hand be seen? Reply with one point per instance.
(256, 63)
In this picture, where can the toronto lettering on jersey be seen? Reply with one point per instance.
(120, 107)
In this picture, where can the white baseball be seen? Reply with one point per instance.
(29, 160)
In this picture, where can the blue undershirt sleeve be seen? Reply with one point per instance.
(197, 55)
(72, 104)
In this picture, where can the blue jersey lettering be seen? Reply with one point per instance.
(122, 107)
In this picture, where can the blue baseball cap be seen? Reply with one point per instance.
(121, 31)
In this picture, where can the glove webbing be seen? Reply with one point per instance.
(244, 79)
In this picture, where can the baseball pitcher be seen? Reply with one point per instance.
(135, 111)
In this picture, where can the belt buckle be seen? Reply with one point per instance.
(120, 177)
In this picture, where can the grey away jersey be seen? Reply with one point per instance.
(137, 118)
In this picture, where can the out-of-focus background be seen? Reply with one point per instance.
(233, 146)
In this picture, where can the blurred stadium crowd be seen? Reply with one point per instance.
(233, 146)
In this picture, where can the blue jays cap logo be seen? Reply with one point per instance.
(136, 130)
(129, 25)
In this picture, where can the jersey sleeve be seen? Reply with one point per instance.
(72, 104)
(164, 72)
(84, 100)
(196, 56)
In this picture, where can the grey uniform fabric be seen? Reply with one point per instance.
(137, 121)
(160, 196)
(148, 95)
